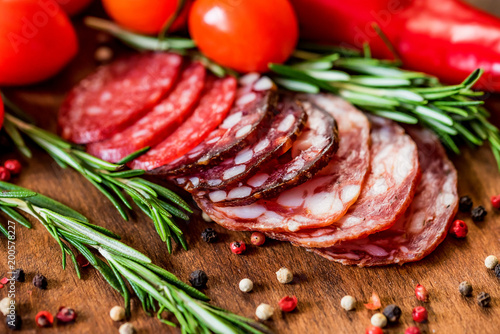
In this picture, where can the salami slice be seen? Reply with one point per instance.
(320, 201)
(255, 100)
(424, 225)
(276, 139)
(157, 124)
(215, 102)
(388, 191)
(116, 95)
(311, 152)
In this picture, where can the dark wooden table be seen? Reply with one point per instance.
(318, 283)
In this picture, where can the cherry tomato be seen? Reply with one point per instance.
(244, 35)
(146, 16)
(36, 41)
(73, 7)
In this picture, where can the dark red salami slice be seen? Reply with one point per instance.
(320, 201)
(157, 124)
(217, 99)
(276, 139)
(389, 189)
(255, 100)
(116, 95)
(311, 152)
(424, 225)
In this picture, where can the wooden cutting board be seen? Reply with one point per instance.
(318, 284)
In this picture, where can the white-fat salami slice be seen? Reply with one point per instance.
(387, 193)
(311, 152)
(320, 201)
(116, 95)
(215, 102)
(255, 101)
(157, 124)
(424, 225)
(274, 140)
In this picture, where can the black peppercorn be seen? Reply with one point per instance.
(483, 299)
(392, 313)
(465, 288)
(497, 270)
(40, 281)
(478, 214)
(18, 275)
(465, 204)
(209, 235)
(198, 279)
(14, 322)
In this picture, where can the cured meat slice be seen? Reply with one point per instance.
(424, 225)
(116, 95)
(388, 191)
(215, 102)
(311, 152)
(276, 139)
(256, 99)
(320, 201)
(160, 122)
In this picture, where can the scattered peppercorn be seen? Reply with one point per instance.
(44, 319)
(412, 330)
(348, 303)
(373, 330)
(497, 270)
(495, 201)
(18, 275)
(478, 214)
(198, 279)
(284, 275)
(209, 235)
(491, 261)
(40, 281)
(421, 293)
(419, 314)
(4, 281)
(117, 313)
(246, 285)
(82, 261)
(288, 304)
(5, 305)
(392, 313)
(238, 247)
(483, 299)
(379, 320)
(465, 204)
(14, 322)
(206, 217)
(14, 166)
(258, 238)
(66, 314)
(4, 174)
(465, 288)
(264, 311)
(127, 328)
(459, 229)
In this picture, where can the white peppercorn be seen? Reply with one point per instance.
(284, 275)
(348, 303)
(264, 311)
(491, 261)
(127, 328)
(4, 305)
(117, 313)
(246, 285)
(206, 217)
(379, 320)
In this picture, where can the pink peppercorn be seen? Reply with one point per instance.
(14, 166)
(419, 314)
(495, 201)
(374, 330)
(412, 330)
(288, 304)
(44, 319)
(258, 238)
(66, 314)
(459, 229)
(421, 293)
(238, 247)
(4, 174)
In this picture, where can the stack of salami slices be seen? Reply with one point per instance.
(309, 169)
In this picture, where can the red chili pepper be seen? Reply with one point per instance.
(288, 304)
(495, 201)
(449, 39)
(374, 330)
(14, 166)
(421, 293)
(419, 314)
(412, 330)
(44, 319)
(459, 229)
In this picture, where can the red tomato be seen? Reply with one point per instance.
(36, 41)
(72, 7)
(1, 112)
(146, 16)
(244, 35)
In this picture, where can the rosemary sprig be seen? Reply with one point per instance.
(384, 89)
(157, 202)
(123, 264)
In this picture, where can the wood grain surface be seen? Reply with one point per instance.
(318, 284)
